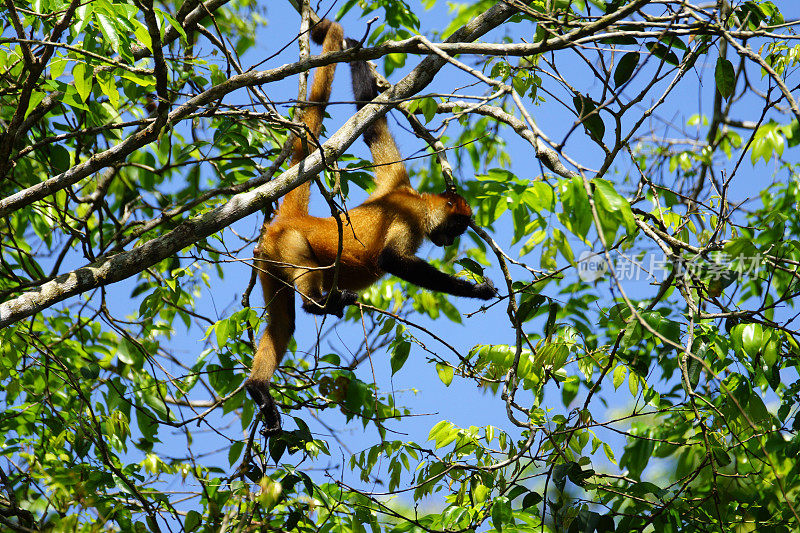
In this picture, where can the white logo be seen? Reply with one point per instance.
(591, 266)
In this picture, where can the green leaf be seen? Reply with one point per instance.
(620, 39)
(222, 330)
(577, 212)
(694, 363)
(528, 306)
(633, 383)
(613, 210)
(501, 513)
(609, 453)
(445, 373)
(36, 97)
(480, 493)
(548, 257)
(141, 33)
(793, 448)
(751, 338)
(674, 42)
(107, 84)
(429, 107)
(563, 246)
(57, 66)
(387, 326)
(277, 447)
(725, 77)
(84, 16)
(60, 158)
(736, 337)
(108, 29)
(767, 141)
(90, 372)
(142, 81)
(615, 202)
(771, 352)
(471, 265)
(662, 52)
(393, 61)
(172, 22)
(539, 197)
(83, 80)
(399, 355)
(345, 8)
(562, 471)
(443, 433)
(756, 410)
(552, 314)
(531, 499)
(589, 117)
(192, 521)
(721, 456)
(235, 451)
(553, 354)
(694, 369)
(624, 71)
(619, 376)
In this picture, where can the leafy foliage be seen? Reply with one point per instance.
(639, 371)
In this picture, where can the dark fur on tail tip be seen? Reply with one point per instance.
(269, 411)
(365, 88)
(320, 30)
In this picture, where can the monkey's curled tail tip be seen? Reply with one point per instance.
(320, 30)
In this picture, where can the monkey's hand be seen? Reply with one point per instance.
(259, 392)
(485, 290)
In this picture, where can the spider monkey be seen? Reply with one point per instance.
(382, 235)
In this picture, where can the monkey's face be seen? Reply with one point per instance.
(451, 215)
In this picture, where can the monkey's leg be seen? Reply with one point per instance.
(271, 347)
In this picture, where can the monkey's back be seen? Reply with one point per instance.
(391, 220)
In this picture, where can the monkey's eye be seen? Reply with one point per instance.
(449, 203)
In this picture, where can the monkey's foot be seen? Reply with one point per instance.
(331, 304)
(259, 392)
(348, 298)
(339, 300)
(272, 420)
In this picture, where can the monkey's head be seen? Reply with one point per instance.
(449, 217)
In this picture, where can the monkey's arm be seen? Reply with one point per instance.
(421, 273)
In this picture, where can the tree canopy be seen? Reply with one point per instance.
(631, 169)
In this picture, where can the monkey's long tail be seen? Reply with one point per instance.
(390, 172)
(331, 36)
